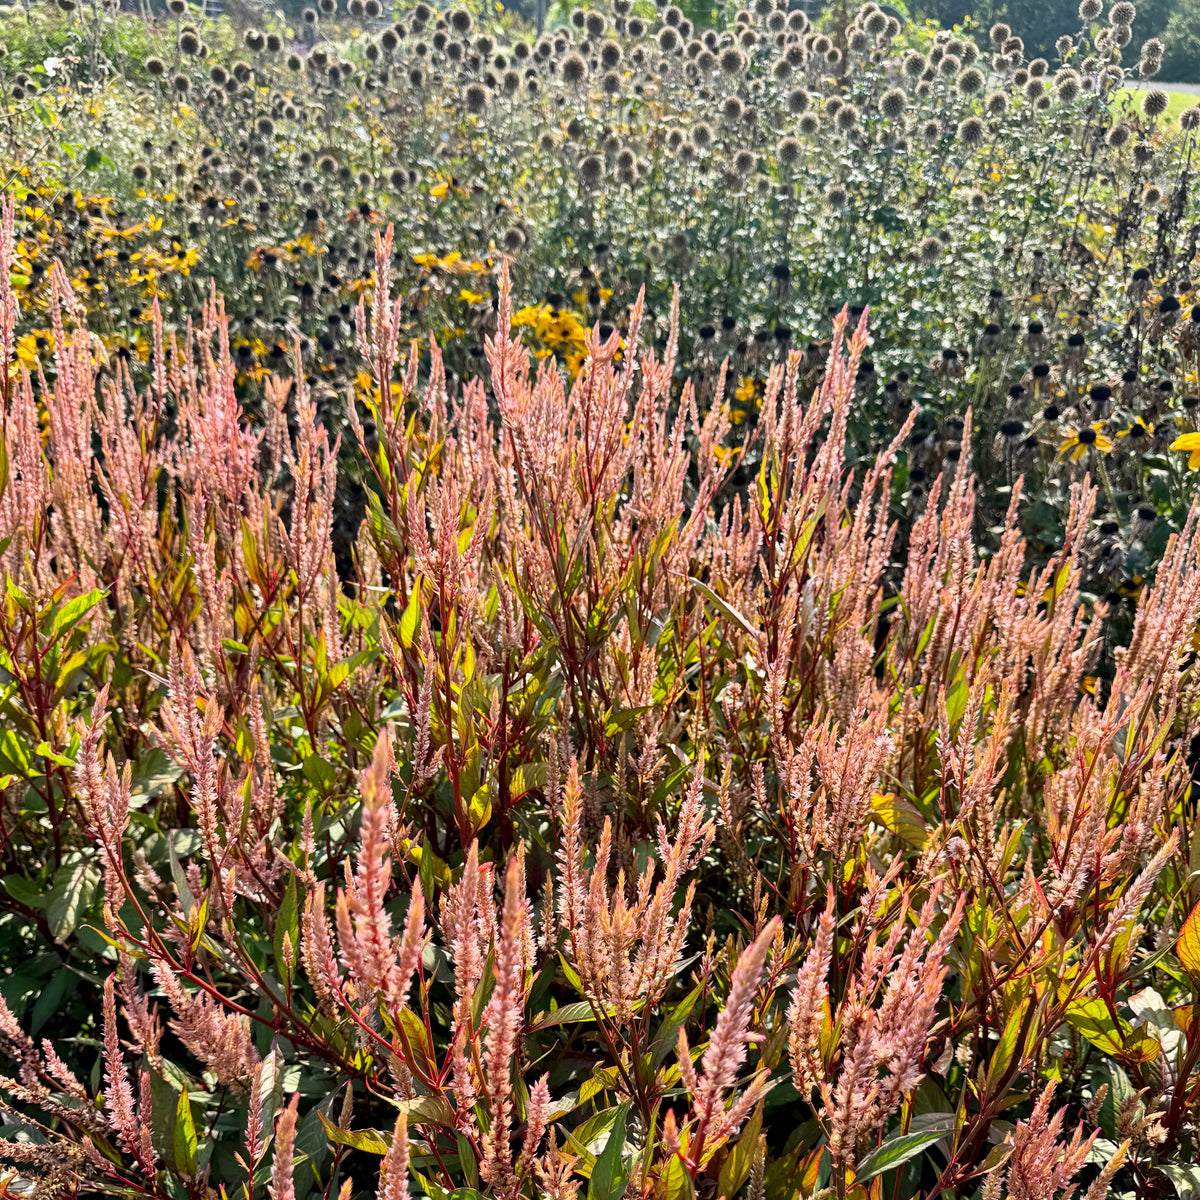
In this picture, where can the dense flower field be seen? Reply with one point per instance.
(609, 613)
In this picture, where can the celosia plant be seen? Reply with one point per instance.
(616, 817)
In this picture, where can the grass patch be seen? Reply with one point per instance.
(1130, 99)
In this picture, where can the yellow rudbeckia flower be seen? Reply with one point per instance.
(1077, 444)
(1191, 443)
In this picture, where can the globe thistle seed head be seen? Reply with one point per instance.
(971, 133)
(1143, 154)
(732, 60)
(595, 24)
(836, 197)
(744, 162)
(788, 151)
(574, 68)
(181, 83)
(356, 9)
(970, 81)
(1155, 103)
(892, 104)
(914, 64)
(1189, 119)
(1000, 33)
(797, 101)
(189, 42)
(809, 124)
(931, 131)
(702, 135)
(591, 169)
(1068, 87)
(668, 40)
(1120, 35)
(846, 118)
(1090, 10)
(1122, 13)
(155, 67)
(1117, 137)
(731, 109)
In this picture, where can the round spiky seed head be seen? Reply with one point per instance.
(971, 133)
(189, 42)
(732, 109)
(461, 21)
(1118, 135)
(932, 131)
(930, 250)
(846, 118)
(1189, 119)
(327, 7)
(155, 66)
(1143, 154)
(595, 24)
(177, 7)
(893, 103)
(914, 64)
(1155, 103)
(1038, 68)
(476, 98)
(574, 68)
(797, 101)
(1000, 33)
(1089, 10)
(668, 40)
(970, 81)
(1122, 13)
(809, 124)
(591, 169)
(1068, 87)
(836, 197)
(733, 61)
(610, 54)
(744, 162)
(141, 172)
(702, 135)
(1064, 45)
(355, 8)
(788, 151)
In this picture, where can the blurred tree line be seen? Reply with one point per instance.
(1041, 22)
(1176, 22)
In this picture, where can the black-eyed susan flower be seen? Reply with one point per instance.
(1075, 445)
(1191, 443)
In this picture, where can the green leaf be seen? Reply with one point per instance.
(609, 1176)
(287, 922)
(924, 1132)
(74, 886)
(1188, 946)
(369, 1141)
(73, 612)
(409, 618)
(23, 892)
(735, 1170)
(185, 1136)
